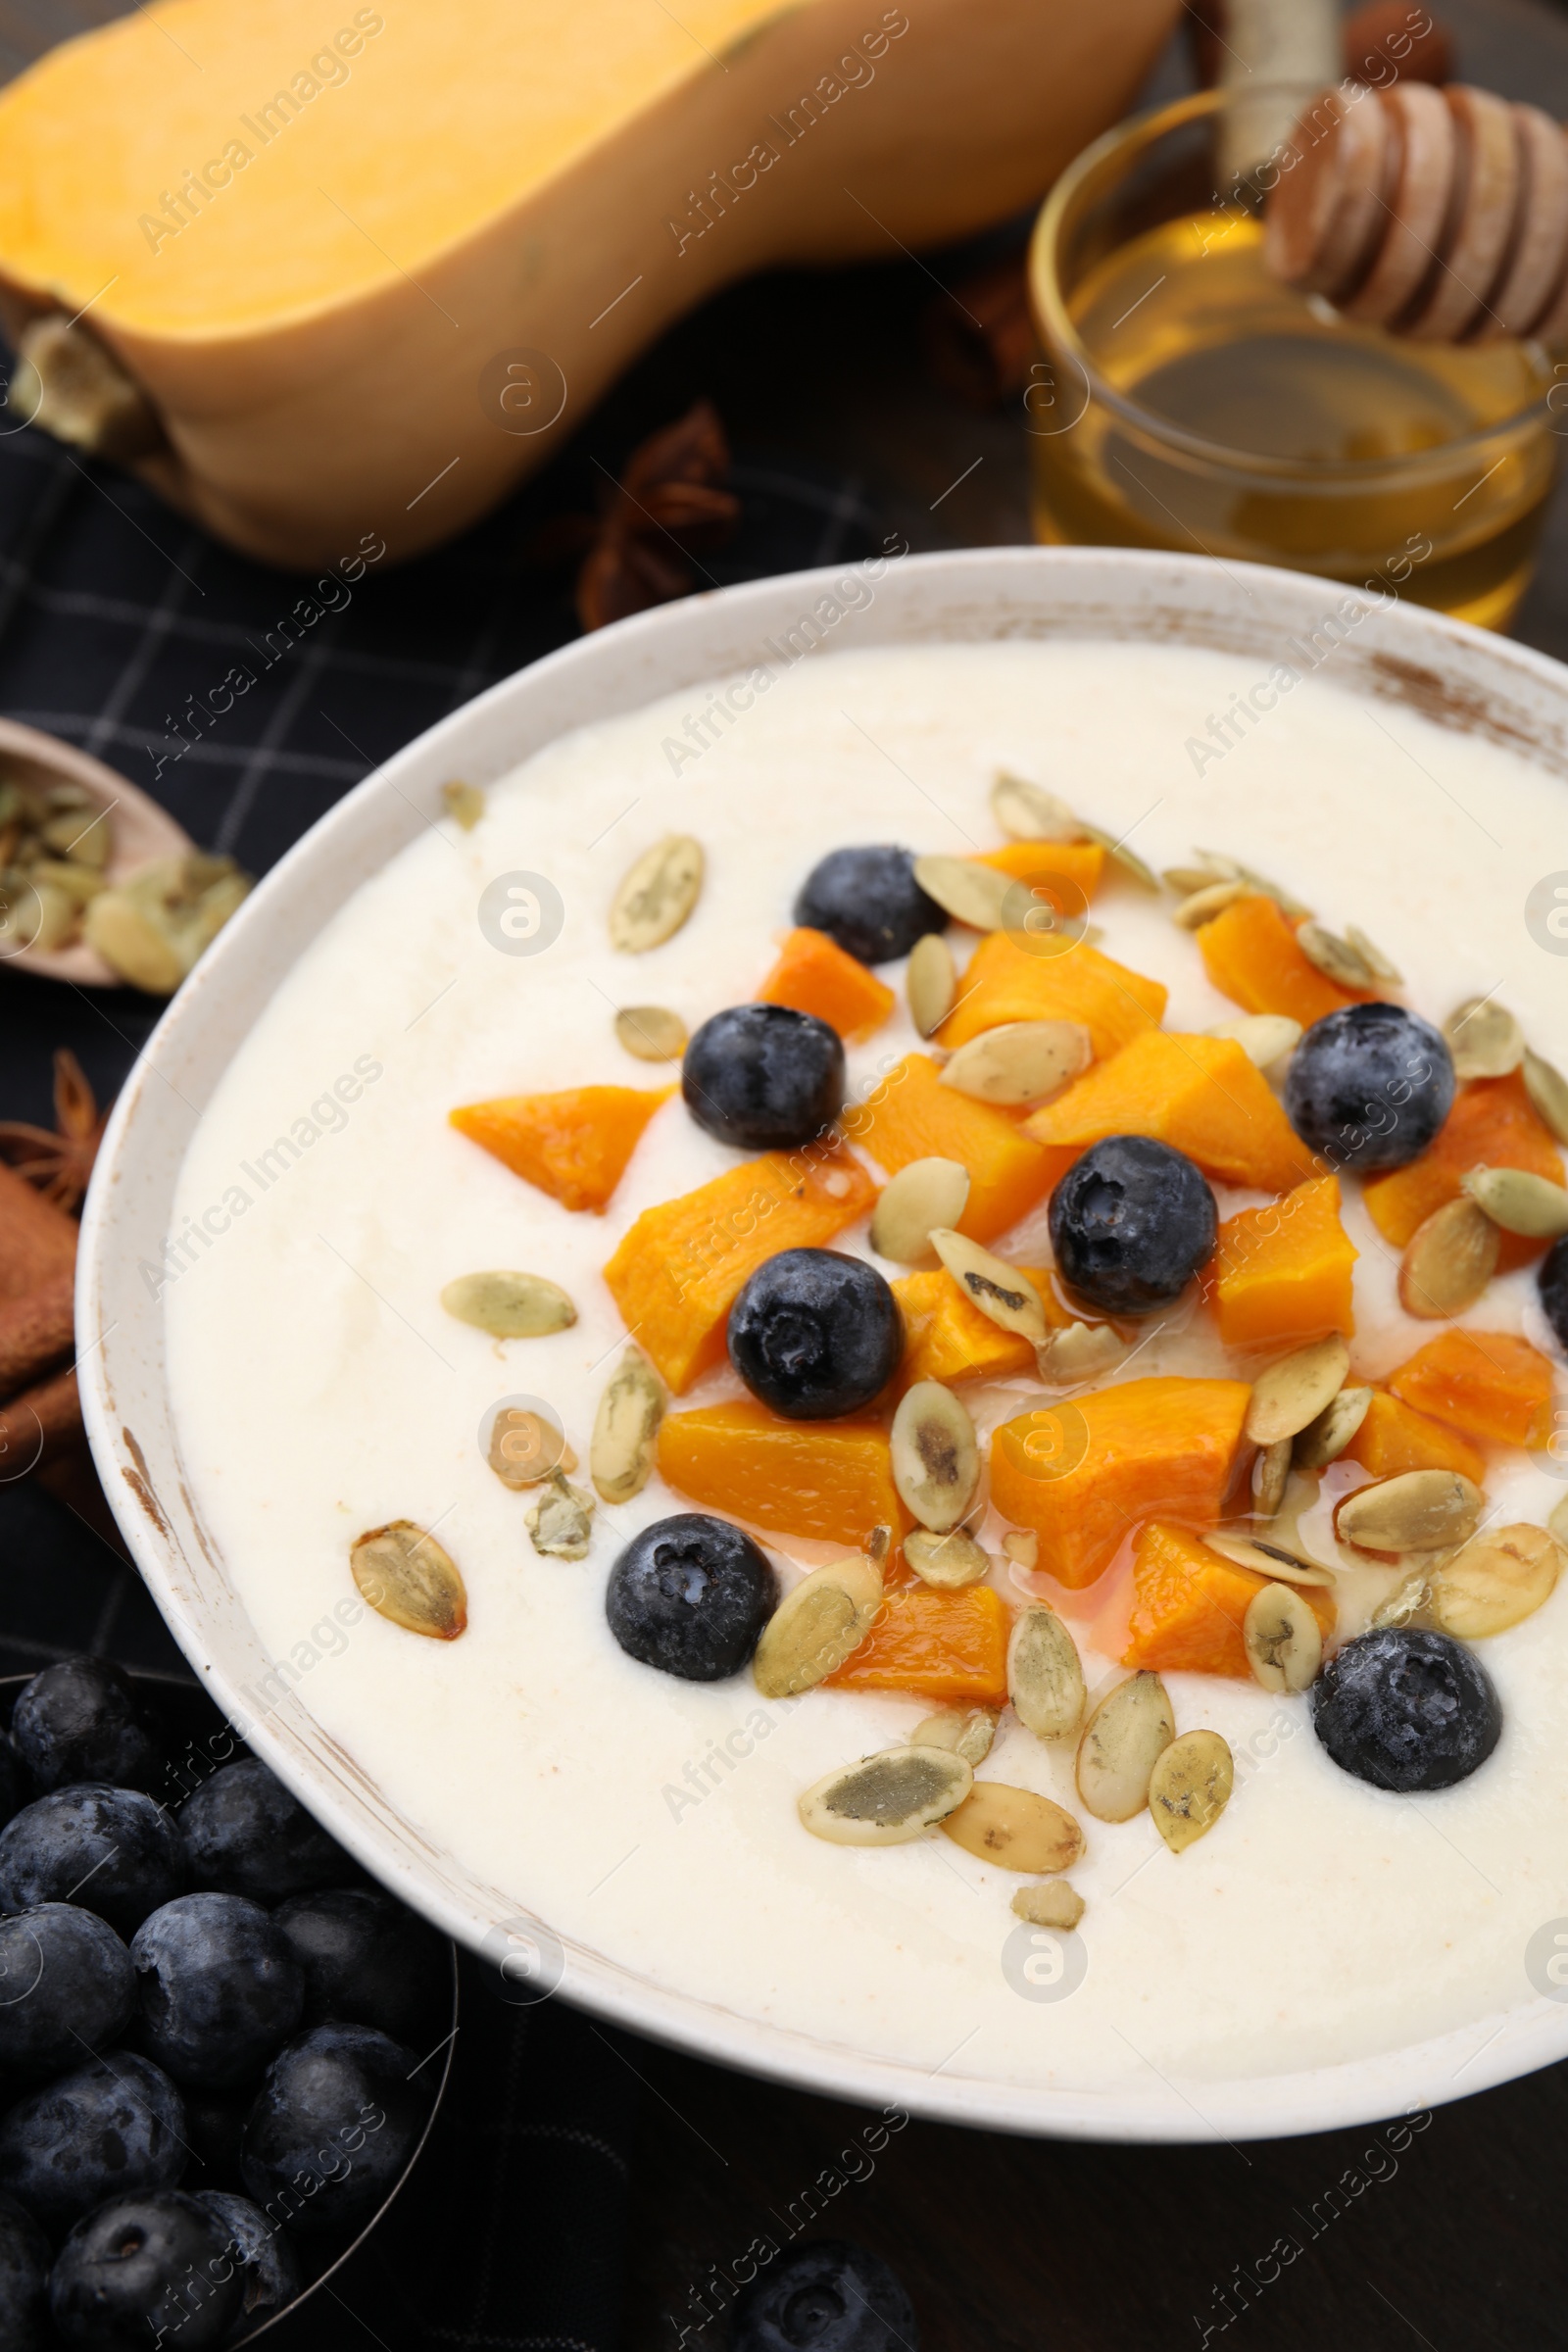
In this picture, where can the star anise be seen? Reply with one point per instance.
(669, 504)
(980, 341)
(59, 1163)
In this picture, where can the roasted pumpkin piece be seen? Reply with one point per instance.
(1079, 864)
(573, 1145)
(1199, 1094)
(1492, 1124)
(1485, 1383)
(947, 1338)
(814, 975)
(677, 1271)
(1283, 1273)
(826, 1479)
(1188, 1606)
(1251, 954)
(1006, 983)
(1394, 1438)
(1085, 1473)
(950, 1648)
(911, 1116)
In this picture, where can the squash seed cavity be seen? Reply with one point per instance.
(1051, 1904)
(935, 1456)
(1292, 1393)
(1448, 1261)
(1324, 1439)
(1495, 1582)
(620, 1451)
(1189, 1787)
(1016, 1828)
(949, 1562)
(815, 1628)
(656, 895)
(410, 1580)
(1123, 1740)
(1519, 1202)
(1021, 1061)
(930, 982)
(886, 1799)
(1420, 1510)
(1547, 1090)
(972, 894)
(926, 1195)
(652, 1032)
(1010, 1299)
(1045, 1678)
(967, 1730)
(560, 1522)
(1028, 813)
(1484, 1039)
(509, 1306)
(1282, 1639)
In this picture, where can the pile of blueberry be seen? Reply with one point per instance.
(210, 2031)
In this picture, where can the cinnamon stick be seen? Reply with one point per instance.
(35, 1332)
(38, 1241)
(39, 1425)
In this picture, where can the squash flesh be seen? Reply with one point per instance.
(1395, 1438)
(947, 1338)
(1251, 954)
(1485, 1383)
(1188, 1606)
(573, 1145)
(1492, 1124)
(950, 1647)
(1006, 983)
(1283, 1273)
(828, 1480)
(1199, 1094)
(911, 1116)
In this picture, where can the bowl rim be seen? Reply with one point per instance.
(1457, 673)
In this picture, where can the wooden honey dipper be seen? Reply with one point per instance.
(1441, 214)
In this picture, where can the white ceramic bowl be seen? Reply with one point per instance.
(1391, 652)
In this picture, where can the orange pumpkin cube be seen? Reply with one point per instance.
(948, 1647)
(1485, 1383)
(947, 1338)
(1084, 1474)
(813, 974)
(1199, 1093)
(1250, 953)
(1283, 1273)
(1395, 1438)
(1065, 870)
(680, 1267)
(573, 1145)
(1006, 983)
(912, 1115)
(827, 1479)
(1492, 1124)
(1189, 1603)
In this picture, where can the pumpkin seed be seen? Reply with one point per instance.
(967, 1730)
(1028, 813)
(1448, 1261)
(1547, 1090)
(1324, 1439)
(1122, 1741)
(886, 1799)
(1381, 966)
(1261, 883)
(1557, 1522)
(1045, 1678)
(1269, 1559)
(1265, 1037)
(1183, 880)
(935, 1456)
(1284, 1642)
(620, 1451)
(1294, 1390)
(560, 1522)
(878, 1543)
(1495, 1581)
(1333, 957)
(1484, 1039)
(1417, 1512)
(1019, 1061)
(1078, 1352)
(971, 893)
(1406, 1605)
(1022, 1546)
(1010, 1299)
(1189, 1787)
(949, 1561)
(1519, 1202)
(1051, 1904)
(410, 1580)
(912, 1204)
(656, 895)
(816, 1626)
(1271, 1475)
(525, 1448)
(509, 1306)
(1120, 854)
(930, 982)
(1202, 905)
(1014, 1827)
(464, 804)
(652, 1032)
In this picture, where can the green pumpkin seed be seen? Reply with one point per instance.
(1265, 1037)
(620, 1452)
(560, 1522)
(988, 1281)
(1269, 1559)
(1377, 963)
(1333, 957)
(926, 1196)
(1495, 1582)
(1421, 1510)
(1484, 1039)
(1324, 1439)
(1189, 1787)
(1284, 1640)
(1080, 1352)
(816, 1626)
(935, 1456)
(652, 1032)
(1019, 1061)
(971, 893)
(509, 1306)
(886, 1799)
(410, 1580)
(1292, 1393)
(1028, 813)
(1014, 1829)
(1051, 1904)
(1271, 1475)
(1448, 1261)
(1045, 1676)
(1203, 903)
(1120, 854)
(968, 1731)
(656, 895)
(930, 982)
(949, 1561)
(1122, 1741)
(1519, 1202)
(1547, 1090)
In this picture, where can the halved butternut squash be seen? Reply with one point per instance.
(1084, 1474)
(679, 1269)
(1189, 1604)
(947, 1338)
(1283, 1273)
(1006, 983)
(1199, 1093)
(950, 1647)
(831, 1480)
(1492, 1124)
(1251, 954)
(1485, 1383)
(814, 975)
(912, 1117)
(1394, 1438)
(573, 1145)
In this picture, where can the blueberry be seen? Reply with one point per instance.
(367, 1959)
(868, 901)
(765, 1077)
(690, 1595)
(218, 1987)
(24, 2280)
(215, 2124)
(1406, 1710)
(336, 2122)
(828, 2296)
(113, 2126)
(83, 1720)
(1369, 1086)
(112, 1849)
(142, 2268)
(9, 1780)
(273, 2273)
(67, 1987)
(246, 1834)
(1552, 1282)
(814, 1334)
(1131, 1222)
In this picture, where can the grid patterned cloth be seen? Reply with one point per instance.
(119, 625)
